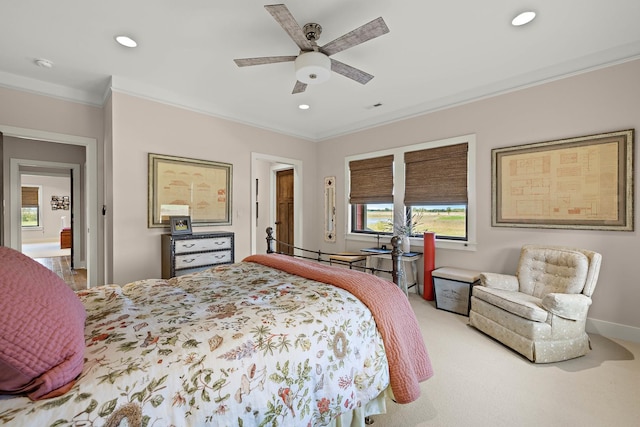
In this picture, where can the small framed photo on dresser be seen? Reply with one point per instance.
(180, 225)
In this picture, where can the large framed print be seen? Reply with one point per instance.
(199, 189)
(577, 183)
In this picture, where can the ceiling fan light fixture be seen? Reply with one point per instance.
(313, 68)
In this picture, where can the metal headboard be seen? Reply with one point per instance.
(319, 256)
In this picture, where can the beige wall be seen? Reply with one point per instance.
(30, 111)
(603, 100)
(140, 127)
(59, 119)
(595, 102)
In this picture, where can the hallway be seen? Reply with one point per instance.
(61, 265)
(57, 260)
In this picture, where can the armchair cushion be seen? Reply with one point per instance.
(518, 303)
(552, 270)
(499, 281)
(568, 306)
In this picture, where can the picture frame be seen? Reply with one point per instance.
(60, 203)
(582, 183)
(180, 225)
(330, 209)
(180, 186)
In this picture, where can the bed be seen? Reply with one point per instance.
(271, 340)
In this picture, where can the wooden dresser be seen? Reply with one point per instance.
(65, 238)
(188, 253)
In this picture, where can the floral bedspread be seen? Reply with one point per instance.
(237, 345)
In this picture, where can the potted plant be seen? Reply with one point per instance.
(408, 229)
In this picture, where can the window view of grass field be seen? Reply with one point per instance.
(30, 217)
(445, 221)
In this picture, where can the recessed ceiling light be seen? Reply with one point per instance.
(523, 18)
(44, 63)
(126, 41)
(303, 106)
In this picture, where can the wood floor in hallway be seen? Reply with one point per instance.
(61, 265)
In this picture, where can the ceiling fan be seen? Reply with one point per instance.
(313, 65)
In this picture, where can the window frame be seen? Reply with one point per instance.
(399, 209)
(39, 226)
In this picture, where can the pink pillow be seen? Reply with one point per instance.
(41, 329)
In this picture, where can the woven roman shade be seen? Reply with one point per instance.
(436, 176)
(371, 180)
(29, 197)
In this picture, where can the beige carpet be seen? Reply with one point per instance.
(479, 382)
(44, 250)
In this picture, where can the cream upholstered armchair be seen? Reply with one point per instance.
(541, 311)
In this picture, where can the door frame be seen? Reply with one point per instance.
(90, 188)
(15, 233)
(277, 163)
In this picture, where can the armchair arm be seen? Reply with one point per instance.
(499, 281)
(568, 306)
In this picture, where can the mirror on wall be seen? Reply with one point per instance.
(330, 209)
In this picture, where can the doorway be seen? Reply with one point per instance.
(284, 211)
(47, 207)
(264, 169)
(11, 233)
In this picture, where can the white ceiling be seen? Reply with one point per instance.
(436, 54)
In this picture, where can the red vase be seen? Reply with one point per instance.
(429, 264)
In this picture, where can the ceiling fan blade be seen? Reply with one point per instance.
(368, 31)
(246, 62)
(286, 20)
(351, 72)
(299, 87)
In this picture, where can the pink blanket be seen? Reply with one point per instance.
(409, 363)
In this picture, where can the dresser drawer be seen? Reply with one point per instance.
(204, 258)
(199, 245)
(184, 254)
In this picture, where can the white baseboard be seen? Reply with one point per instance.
(613, 330)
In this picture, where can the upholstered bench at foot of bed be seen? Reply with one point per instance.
(350, 259)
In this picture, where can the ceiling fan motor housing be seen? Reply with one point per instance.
(313, 68)
(312, 31)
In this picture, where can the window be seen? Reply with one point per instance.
(371, 195)
(436, 187)
(447, 221)
(372, 218)
(30, 209)
(431, 190)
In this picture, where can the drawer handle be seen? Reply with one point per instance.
(187, 261)
(220, 256)
(219, 243)
(188, 245)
